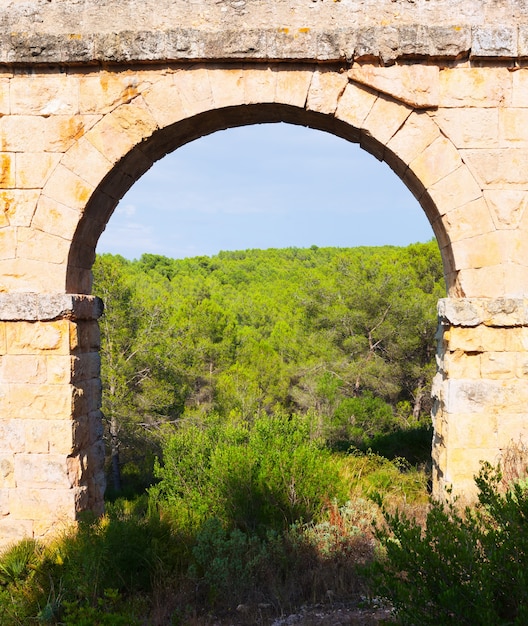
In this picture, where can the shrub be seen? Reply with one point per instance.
(465, 567)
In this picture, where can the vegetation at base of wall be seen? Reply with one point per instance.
(462, 566)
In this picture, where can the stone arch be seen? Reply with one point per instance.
(179, 106)
(68, 180)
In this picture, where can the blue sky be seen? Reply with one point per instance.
(264, 186)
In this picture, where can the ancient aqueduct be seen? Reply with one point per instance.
(92, 92)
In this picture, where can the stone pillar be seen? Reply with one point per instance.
(51, 448)
(480, 392)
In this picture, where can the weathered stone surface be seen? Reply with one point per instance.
(48, 306)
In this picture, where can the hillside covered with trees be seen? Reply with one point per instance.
(344, 336)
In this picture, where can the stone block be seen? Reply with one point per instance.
(34, 169)
(7, 170)
(101, 92)
(436, 161)
(385, 118)
(227, 87)
(23, 133)
(38, 337)
(84, 160)
(51, 506)
(12, 435)
(460, 364)
(23, 368)
(520, 85)
(507, 207)
(485, 87)
(468, 220)
(513, 126)
(68, 189)
(498, 169)
(36, 402)
(355, 104)
(457, 189)
(17, 206)
(40, 246)
(7, 479)
(292, 85)
(55, 218)
(260, 85)
(85, 337)
(85, 366)
(119, 132)
(8, 242)
(326, 88)
(417, 132)
(498, 365)
(13, 529)
(165, 101)
(47, 471)
(37, 435)
(484, 250)
(44, 93)
(490, 41)
(471, 431)
(414, 85)
(195, 89)
(469, 127)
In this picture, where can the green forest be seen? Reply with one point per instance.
(344, 337)
(268, 436)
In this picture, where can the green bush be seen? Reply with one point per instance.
(465, 567)
(255, 477)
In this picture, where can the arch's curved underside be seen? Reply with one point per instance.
(93, 93)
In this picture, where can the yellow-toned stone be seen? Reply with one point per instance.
(325, 90)
(499, 169)
(54, 506)
(103, 91)
(120, 131)
(62, 131)
(498, 365)
(34, 244)
(4, 96)
(29, 401)
(292, 86)
(165, 102)
(460, 364)
(7, 170)
(7, 472)
(58, 369)
(68, 189)
(17, 207)
(34, 169)
(8, 242)
(513, 126)
(195, 89)
(45, 94)
(482, 282)
(520, 87)
(38, 337)
(23, 133)
(260, 85)
(385, 118)
(469, 220)
(507, 206)
(37, 436)
(455, 190)
(416, 134)
(471, 431)
(469, 127)
(25, 368)
(84, 160)
(439, 159)
(475, 87)
(29, 275)
(227, 87)
(56, 218)
(415, 85)
(3, 342)
(355, 104)
(85, 336)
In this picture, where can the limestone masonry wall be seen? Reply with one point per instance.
(84, 31)
(93, 92)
